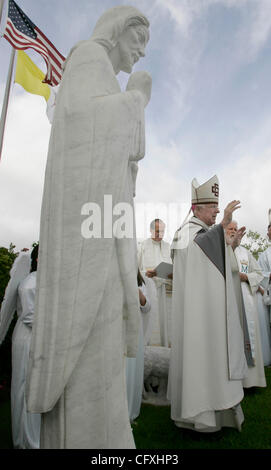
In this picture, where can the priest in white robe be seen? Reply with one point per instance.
(151, 253)
(207, 363)
(250, 277)
(87, 308)
(265, 264)
(264, 300)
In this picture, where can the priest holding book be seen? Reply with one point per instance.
(151, 253)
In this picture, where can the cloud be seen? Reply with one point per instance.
(181, 39)
(163, 181)
(248, 180)
(162, 190)
(254, 25)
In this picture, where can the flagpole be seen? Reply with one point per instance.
(1, 8)
(6, 99)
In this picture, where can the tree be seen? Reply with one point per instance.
(255, 243)
(7, 257)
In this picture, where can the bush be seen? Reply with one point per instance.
(7, 257)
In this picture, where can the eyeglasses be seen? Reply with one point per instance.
(212, 206)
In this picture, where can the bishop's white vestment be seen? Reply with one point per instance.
(249, 266)
(150, 254)
(207, 363)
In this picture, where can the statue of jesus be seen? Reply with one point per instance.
(87, 303)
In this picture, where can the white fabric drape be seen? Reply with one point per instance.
(135, 366)
(249, 266)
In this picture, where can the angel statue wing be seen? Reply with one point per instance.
(20, 269)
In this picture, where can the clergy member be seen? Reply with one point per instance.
(250, 276)
(265, 301)
(87, 308)
(152, 252)
(265, 260)
(207, 363)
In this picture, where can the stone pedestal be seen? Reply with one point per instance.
(156, 367)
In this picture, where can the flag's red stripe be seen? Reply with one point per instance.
(24, 40)
(42, 45)
(51, 55)
(21, 36)
(23, 46)
(26, 45)
(58, 58)
(17, 32)
(50, 73)
(50, 43)
(55, 72)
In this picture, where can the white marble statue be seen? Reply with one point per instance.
(20, 297)
(135, 365)
(156, 368)
(87, 309)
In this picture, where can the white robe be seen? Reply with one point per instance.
(135, 366)
(249, 266)
(265, 310)
(87, 309)
(207, 362)
(265, 331)
(265, 264)
(150, 254)
(25, 426)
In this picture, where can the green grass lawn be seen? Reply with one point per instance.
(155, 430)
(5, 422)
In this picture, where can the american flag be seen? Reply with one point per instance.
(22, 33)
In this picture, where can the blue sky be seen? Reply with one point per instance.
(210, 111)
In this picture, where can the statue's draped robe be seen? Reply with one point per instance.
(207, 361)
(150, 254)
(135, 365)
(87, 307)
(19, 271)
(249, 266)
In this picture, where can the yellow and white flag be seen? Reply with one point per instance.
(30, 77)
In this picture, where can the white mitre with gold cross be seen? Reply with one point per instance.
(206, 192)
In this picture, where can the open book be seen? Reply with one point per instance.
(164, 269)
